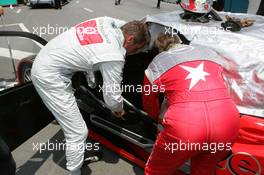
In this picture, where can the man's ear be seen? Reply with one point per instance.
(130, 38)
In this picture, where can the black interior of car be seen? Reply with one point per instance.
(135, 124)
(22, 114)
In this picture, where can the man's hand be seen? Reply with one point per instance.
(1, 11)
(119, 114)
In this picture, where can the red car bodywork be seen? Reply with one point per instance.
(247, 152)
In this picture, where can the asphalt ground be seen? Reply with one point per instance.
(33, 159)
(48, 23)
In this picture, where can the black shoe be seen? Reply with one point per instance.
(90, 157)
(117, 2)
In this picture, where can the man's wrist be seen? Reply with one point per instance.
(1, 11)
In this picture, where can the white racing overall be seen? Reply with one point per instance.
(96, 44)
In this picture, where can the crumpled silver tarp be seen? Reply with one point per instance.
(243, 51)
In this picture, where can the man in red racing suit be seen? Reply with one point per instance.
(201, 121)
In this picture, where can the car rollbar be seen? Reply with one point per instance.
(24, 35)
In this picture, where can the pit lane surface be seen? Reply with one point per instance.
(31, 159)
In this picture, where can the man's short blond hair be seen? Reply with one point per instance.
(138, 29)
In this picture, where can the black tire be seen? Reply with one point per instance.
(261, 8)
(32, 5)
(24, 69)
(219, 5)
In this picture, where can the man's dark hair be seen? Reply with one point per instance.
(138, 29)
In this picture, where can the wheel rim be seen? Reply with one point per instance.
(27, 75)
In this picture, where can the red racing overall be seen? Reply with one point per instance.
(201, 122)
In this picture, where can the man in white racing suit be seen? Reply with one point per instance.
(97, 44)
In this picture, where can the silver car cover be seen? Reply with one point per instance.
(243, 50)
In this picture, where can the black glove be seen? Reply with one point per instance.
(231, 25)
